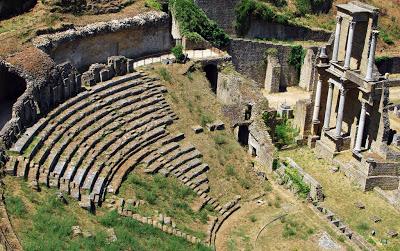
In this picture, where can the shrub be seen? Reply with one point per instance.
(285, 134)
(380, 60)
(150, 197)
(177, 51)
(193, 20)
(279, 3)
(296, 58)
(205, 119)
(154, 4)
(219, 140)
(387, 39)
(303, 188)
(363, 226)
(303, 7)
(247, 8)
(253, 218)
(230, 170)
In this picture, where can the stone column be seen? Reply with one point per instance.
(361, 125)
(337, 39)
(328, 107)
(349, 45)
(371, 57)
(317, 102)
(339, 118)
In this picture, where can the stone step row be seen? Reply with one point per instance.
(94, 126)
(129, 114)
(103, 107)
(53, 157)
(105, 168)
(25, 139)
(119, 171)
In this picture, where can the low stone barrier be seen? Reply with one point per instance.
(316, 191)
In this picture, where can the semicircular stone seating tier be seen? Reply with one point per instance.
(90, 143)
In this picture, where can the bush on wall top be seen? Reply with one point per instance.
(193, 20)
(248, 8)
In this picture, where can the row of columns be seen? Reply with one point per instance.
(349, 47)
(340, 114)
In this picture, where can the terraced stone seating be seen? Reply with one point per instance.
(90, 143)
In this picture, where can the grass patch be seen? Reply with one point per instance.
(302, 187)
(168, 196)
(285, 134)
(165, 75)
(15, 206)
(153, 4)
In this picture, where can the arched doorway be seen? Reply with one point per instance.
(11, 87)
(211, 71)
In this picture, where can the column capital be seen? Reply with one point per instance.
(343, 91)
(374, 32)
(339, 19)
(352, 24)
(363, 104)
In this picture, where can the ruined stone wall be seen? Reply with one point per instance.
(10, 8)
(303, 117)
(47, 85)
(389, 65)
(135, 37)
(262, 29)
(221, 11)
(248, 57)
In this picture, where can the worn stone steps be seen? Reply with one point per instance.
(24, 141)
(198, 170)
(116, 151)
(193, 163)
(97, 110)
(115, 176)
(129, 113)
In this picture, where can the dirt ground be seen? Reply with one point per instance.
(281, 222)
(290, 97)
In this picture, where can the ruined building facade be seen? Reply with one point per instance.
(350, 116)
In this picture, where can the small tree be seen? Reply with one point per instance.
(177, 51)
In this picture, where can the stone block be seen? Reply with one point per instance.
(87, 79)
(129, 65)
(197, 129)
(219, 125)
(119, 64)
(396, 140)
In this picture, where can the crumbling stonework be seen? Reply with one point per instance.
(135, 37)
(222, 12)
(262, 29)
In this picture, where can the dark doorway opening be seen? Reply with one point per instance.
(243, 135)
(247, 112)
(11, 87)
(211, 71)
(253, 151)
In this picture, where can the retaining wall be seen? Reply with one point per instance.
(134, 37)
(221, 11)
(249, 59)
(263, 29)
(10, 8)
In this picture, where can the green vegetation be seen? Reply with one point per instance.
(312, 6)
(166, 195)
(154, 4)
(387, 38)
(379, 60)
(247, 8)
(177, 51)
(165, 75)
(194, 23)
(302, 187)
(278, 3)
(285, 134)
(15, 206)
(293, 228)
(296, 57)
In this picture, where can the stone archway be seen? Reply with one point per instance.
(211, 71)
(12, 87)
